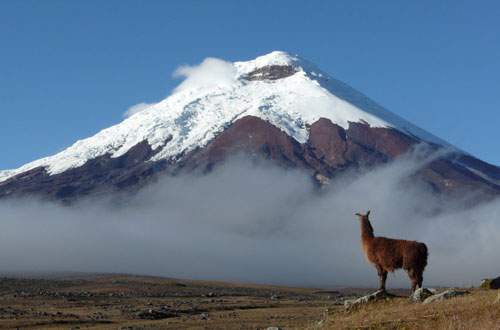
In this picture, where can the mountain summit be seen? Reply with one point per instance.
(277, 106)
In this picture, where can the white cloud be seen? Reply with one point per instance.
(210, 73)
(256, 223)
(136, 108)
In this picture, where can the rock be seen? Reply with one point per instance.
(421, 294)
(273, 328)
(180, 284)
(491, 283)
(348, 304)
(320, 324)
(271, 72)
(152, 314)
(450, 293)
(323, 179)
(98, 316)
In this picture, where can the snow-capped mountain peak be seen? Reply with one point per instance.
(282, 89)
(278, 58)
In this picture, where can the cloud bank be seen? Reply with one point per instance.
(212, 72)
(257, 223)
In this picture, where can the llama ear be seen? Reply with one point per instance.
(367, 213)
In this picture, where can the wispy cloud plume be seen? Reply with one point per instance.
(136, 108)
(210, 73)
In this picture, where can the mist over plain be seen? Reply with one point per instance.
(254, 222)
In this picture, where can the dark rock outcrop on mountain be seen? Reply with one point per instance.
(271, 72)
(330, 150)
(98, 176)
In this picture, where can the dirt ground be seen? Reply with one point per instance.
(132, 302)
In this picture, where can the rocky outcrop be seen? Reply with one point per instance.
(495, 284)
(331, 149)
(425, 295)
(380, 294)
(421, 294)
(271, 72)
(98, 176)
(491, 283)
(448, 294)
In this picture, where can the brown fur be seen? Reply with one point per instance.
(388, 254)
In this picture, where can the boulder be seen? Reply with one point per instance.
(450, 293)
(491, 283)
(348, 304)
(421, 294)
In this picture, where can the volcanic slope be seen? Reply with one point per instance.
(279, 107)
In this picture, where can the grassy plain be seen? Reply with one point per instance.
(138, 302)
(132, 302)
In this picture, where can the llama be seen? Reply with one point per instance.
(388, 254)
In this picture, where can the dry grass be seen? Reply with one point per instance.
(111, 302)
(478, 310)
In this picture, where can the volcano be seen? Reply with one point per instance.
(277, 107)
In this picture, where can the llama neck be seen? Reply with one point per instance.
(366, 229)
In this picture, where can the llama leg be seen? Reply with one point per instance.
(414, 279)
(382, 273)
(420, 279)
(383, 278)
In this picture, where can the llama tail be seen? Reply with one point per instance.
(423, 253)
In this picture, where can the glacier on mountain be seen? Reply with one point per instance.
(197, 112)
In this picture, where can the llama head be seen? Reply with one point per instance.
(366, 226)
(362, 217)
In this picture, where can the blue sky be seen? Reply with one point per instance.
(71, 68)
